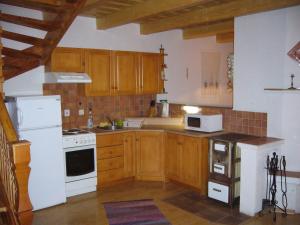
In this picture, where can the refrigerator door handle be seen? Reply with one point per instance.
(20, 116)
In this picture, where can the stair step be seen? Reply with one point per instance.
(23, 38)
(19, 53)
(29, 22)
(35, 5)
(10, 72)
(19, 62)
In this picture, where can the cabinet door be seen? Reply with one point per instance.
(98, 67)
(125, 72)
(150, 156)
(190, 164)
(67, 60)
(129, 154)
(172, 156)
(150, 69)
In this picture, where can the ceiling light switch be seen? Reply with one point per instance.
(81, 112)
(66, 112)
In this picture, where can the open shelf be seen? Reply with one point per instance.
(282, 89)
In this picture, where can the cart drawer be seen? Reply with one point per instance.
(218, 191)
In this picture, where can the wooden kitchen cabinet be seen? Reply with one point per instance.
(67, 60)
(190, 161)
(125, 73)
(172, 157)
(187, 160)
(129, 154)
(98, 67)
(150, 73)
(112, 72)
(110, 158)
(150, 156)
(115, 157)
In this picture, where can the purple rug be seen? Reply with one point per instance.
(138, 212)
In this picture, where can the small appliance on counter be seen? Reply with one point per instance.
(165, 108)
(225, 166)
(203, 122)
(134, 122)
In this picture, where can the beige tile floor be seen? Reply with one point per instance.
(88, 209)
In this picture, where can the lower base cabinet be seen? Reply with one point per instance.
(149, 156)
(152, 156)
(115, 157)
(187, 160)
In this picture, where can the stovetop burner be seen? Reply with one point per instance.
(74, 131)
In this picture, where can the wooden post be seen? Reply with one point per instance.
(21, 156)
(1, 65)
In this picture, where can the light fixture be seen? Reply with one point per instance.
(191, 109)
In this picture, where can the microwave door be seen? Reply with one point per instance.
(194, 122)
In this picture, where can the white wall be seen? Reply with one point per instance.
(182, 55)
(261, 45)
(291, 100)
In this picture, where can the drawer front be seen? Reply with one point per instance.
(108, 164)
(110, 175)
(218, 191)
(109, 140)
(219, 168)
(110, 152)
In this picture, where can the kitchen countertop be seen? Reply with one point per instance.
(168, 128)
(261, 141)
(180, 130)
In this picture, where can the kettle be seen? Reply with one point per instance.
(165, 108)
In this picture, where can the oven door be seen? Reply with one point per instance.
(80, 163)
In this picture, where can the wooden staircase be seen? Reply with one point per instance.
(15, 205)
(58, 16)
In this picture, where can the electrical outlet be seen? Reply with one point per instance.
(81, 112)
(66, 112)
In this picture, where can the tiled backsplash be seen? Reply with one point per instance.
(252, 123)
(115, 107)
(119, 107)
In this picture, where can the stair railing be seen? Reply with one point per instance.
(14, 167)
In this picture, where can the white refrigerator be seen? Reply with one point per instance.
(38, 120)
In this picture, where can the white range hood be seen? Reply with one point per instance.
(66, 77)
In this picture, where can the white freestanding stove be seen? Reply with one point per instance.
(80, 159)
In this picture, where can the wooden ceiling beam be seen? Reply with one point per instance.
(215, 13)
(28, 22)
(209, 29)
(35, 5)
(142, 10)
(225, 38)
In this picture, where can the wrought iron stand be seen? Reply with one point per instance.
(274, 167)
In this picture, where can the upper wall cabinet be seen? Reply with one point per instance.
(112, 72)
(125, 73)
(67, 60)
(150, 71)
(98, 66)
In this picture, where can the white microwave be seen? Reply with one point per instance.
(203, 122)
